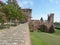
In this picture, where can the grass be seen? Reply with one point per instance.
(40, 38)
(57, 32)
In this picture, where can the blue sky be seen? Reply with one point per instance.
(41, 8)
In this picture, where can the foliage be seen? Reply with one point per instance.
(42, 28)
(1, 18)
(1, 3)
(41, 19)
(51, 29)
(13, 13)
(1, 21)
(57, 27)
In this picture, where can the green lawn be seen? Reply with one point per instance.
(40, 38)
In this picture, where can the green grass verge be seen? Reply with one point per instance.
(40, 38)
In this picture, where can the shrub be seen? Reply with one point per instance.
(51, 29)
(43, 28)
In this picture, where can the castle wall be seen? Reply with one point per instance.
(45, 26)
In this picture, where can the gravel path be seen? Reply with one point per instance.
(16, 35)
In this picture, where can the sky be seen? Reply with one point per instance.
(41, 8)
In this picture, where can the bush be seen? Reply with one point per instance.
(57, 28)
(31, 30)
(51, 29)
(43, 28)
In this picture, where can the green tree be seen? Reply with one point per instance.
(13, 13)
(41, 19)
(1, 5)
(2, 19)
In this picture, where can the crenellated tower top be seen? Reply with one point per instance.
(12, 1)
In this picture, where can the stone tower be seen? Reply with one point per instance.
(12, 1)
(51, 18)
(9, 1)
(27, 12)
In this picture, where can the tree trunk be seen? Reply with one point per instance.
(16, 22)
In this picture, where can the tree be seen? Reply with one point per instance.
(51, 29)
(13, 13)
(41, 19)
(2, 15)
(2, 20)
(1, 5)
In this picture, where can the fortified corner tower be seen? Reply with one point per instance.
(12, 1)
(9, 1)
(51, 18)
(27, 12)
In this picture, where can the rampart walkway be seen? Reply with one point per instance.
(16, 35)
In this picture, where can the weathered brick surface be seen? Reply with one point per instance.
(15, 35)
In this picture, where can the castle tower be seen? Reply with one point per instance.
(27, 12)
(12, 1)
(9, 1)
(51, 18)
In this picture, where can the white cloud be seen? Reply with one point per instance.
(54, 1)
